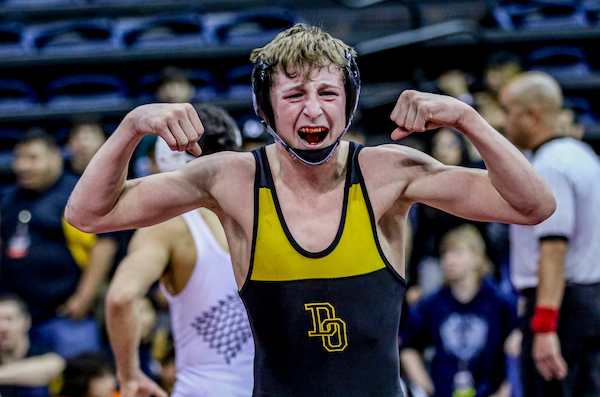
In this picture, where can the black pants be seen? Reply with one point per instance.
(579, 335)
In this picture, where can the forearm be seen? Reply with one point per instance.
(551, 273)
(99, 265)
(123, 328)
(145, 262)
(413, 365)
(508, 170)
(32, 371)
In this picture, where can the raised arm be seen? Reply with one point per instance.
(509, 191)
(104, 200)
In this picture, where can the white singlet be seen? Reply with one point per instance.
(214, 349)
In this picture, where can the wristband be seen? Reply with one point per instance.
(545, 319)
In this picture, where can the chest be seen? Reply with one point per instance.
(313, 219)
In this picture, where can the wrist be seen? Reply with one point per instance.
(545, 319)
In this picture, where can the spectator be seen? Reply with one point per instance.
(175, 86)
(24, 370)
(500, 67)
(569, 124)
(42, 256)
(554, 265)
(467, 323)
(86, 135)
(89, 375)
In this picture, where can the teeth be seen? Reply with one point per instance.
(313, 135)
(312, 130)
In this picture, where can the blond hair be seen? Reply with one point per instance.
(300, 49)
(468, 234)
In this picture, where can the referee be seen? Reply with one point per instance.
(556, 265)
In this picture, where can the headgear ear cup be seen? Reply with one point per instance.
(260, 94)
(352, 88)
(168, 160)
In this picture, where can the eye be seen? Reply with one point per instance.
(329, 93)
(293, 96)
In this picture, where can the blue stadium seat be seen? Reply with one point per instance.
(164, 30)
(205, 83)
(28, 3)
(539, 14)
(583, 109)
(255, 26)
(16, 95)
(238, 81)
(560, 61)
(11, 38)
(592, 9)
(86, 90)
(76, 35)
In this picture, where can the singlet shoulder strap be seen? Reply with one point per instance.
(353, 167)
(263, 172)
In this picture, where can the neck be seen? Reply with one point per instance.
(295, 173)
(544, 133)
(465, 289)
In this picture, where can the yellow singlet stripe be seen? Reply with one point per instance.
(275, 259)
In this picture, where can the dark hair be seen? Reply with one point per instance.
(502, 57)
(173, 74)
(81, 370)
(38, 134)
(221, 132)
(16, 299)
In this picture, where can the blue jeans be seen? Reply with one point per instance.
(66, 337)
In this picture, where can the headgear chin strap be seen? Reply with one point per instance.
(262, 107)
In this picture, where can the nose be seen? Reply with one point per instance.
(312, 107)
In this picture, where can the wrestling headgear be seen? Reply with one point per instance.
(262, 107)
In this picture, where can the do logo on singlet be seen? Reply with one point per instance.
(326, 325)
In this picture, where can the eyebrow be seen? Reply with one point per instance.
(300, 87)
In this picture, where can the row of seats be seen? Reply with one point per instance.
(248, 27)
(545, 14)
(73, 91)
(565, 62)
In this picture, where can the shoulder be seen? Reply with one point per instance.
(567, 164)
(564, 153)
(394, 156)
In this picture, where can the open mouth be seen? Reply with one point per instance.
(313, 135)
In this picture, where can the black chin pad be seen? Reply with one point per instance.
(314, 157)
